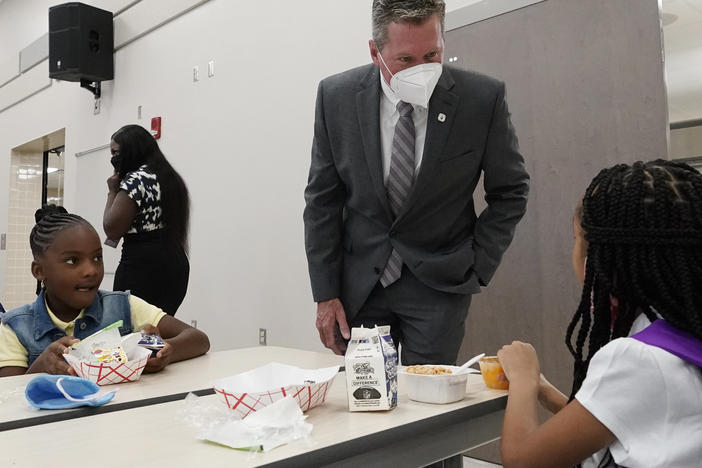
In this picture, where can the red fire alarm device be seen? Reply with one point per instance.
(156, 127)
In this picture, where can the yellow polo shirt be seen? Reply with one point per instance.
(12, 353)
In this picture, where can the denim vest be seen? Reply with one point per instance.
(35, 330)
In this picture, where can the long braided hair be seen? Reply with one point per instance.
(50, 220)
(643, 225)
(136, 147)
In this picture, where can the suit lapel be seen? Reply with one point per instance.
(368, 111)
(443, 101)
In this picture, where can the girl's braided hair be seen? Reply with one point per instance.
(643, 224)
(50, 220)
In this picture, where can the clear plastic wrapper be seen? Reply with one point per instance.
(277, 424)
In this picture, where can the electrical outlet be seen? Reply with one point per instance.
(193, 323)
(262, 336)
(96, 107)
(196, 73)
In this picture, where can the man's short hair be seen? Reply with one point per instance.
(403, 11)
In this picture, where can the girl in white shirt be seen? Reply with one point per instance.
(638, 252)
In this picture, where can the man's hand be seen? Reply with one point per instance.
(51, 360)
(332, 326)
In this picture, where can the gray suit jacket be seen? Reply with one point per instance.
(349, 228)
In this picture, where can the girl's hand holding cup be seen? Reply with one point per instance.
(520, 363)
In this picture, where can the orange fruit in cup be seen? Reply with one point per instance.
(492, 372)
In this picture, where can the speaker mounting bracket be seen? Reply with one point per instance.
(92, 86)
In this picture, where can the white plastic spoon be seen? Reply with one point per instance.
(471, 361)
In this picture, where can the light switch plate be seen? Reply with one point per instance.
(3, 241)
(196, 73)
(210, 68)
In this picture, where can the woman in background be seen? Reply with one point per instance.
(148, 205)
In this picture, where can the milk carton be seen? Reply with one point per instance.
(371, 370)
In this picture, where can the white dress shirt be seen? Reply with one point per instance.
(388, 119)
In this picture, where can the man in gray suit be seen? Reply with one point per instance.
(391, 232)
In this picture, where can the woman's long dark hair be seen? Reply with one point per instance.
(643, 225)
(137, 147)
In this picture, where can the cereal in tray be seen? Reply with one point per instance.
(428, 370)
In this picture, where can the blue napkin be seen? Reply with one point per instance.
(64, 391)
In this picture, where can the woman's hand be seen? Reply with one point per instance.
(520, 363)
(120, 210)
(51, 360)
(113, 183)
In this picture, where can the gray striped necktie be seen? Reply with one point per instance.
(400, 180)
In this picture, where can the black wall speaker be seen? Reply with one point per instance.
(81, 42)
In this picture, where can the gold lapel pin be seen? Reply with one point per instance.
(441, 117)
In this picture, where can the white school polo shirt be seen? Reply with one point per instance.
(650, 400)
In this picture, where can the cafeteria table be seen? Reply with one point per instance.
(156, 434)
(173, 383)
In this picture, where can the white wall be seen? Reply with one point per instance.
(21, 22)
(686, 142)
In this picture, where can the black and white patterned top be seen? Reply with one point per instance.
(143, 187)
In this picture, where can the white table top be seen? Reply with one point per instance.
(156, 435)
(180, 377)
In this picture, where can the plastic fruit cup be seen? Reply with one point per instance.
(493, 375)
(440, 389)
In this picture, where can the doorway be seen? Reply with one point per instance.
(36, 178)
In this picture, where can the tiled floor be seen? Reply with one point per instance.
(475, 463)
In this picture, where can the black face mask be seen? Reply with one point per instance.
(116, 162)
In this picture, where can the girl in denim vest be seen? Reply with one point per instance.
(636, 336)
(68, 262)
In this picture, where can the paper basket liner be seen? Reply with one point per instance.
(113, 372)
(307, 396)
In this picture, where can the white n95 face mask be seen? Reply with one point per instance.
(415, 85)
